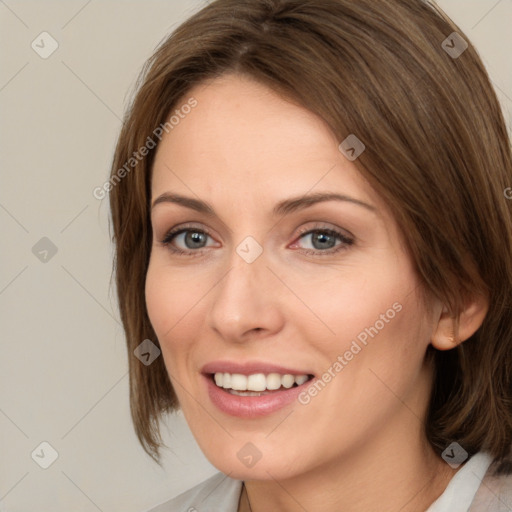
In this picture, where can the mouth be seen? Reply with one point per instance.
(252, 395)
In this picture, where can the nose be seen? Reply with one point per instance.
(246, 303)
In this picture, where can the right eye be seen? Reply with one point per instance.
(186, 240)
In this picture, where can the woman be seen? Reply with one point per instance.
(311, 226)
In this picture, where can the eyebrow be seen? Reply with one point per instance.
(282, 208)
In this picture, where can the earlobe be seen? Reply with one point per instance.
(452, 331)
(446, 334)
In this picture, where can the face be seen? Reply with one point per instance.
(273, 262)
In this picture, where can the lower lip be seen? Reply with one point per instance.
(251, 406)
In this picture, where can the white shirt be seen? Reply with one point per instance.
(472, 489)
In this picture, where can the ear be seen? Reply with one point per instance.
(452, 331)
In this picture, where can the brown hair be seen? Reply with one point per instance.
(437, 152)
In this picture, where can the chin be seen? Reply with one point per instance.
(248, 462)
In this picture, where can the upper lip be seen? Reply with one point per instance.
(249, 368)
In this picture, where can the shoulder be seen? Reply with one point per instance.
(476, 488)
(219, 492)
(494, 493)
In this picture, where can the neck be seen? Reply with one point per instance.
(396, 477)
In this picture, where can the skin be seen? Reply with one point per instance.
(359, 444)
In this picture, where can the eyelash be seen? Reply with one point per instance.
(346, 241)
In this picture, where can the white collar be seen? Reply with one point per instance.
(462, 488)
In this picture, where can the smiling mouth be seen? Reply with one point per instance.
(257, 384)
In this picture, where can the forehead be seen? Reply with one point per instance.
(244, 136)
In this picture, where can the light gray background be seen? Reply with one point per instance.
(63, 365)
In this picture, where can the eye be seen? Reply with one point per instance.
(189, 240)
(184, 240)
(323, 240)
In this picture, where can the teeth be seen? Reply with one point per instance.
(238, 382)
(245, 393)
(273, 381)
(288, 380)
(300, 379)
(257, 382)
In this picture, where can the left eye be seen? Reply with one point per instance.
(324, 239)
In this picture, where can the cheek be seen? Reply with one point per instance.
(175, 302)
(352, 303)
(171, 295)
(383, 353)
(374, 319)
(168, 300)
(161, 304)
